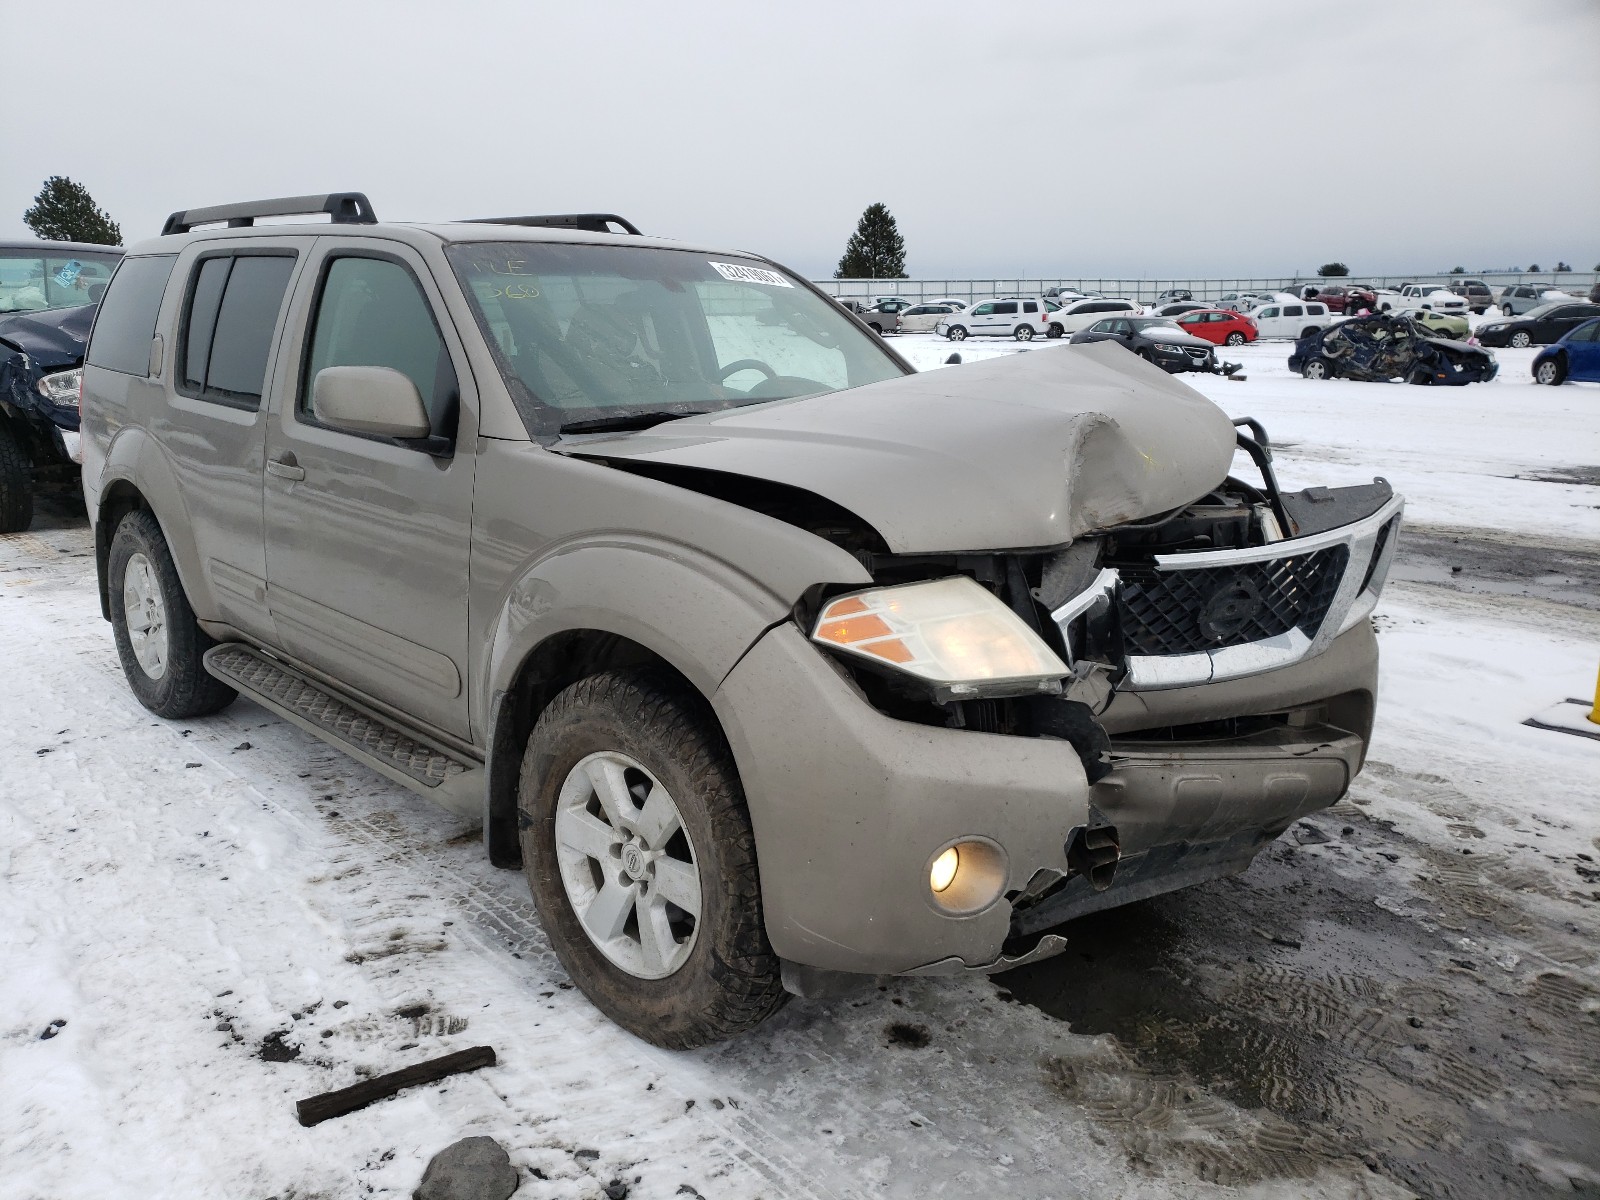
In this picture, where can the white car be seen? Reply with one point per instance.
(921, 318)
(1290, 318)
(1423, 297)
(1081, 314)
(1019, 318)
(955, 302)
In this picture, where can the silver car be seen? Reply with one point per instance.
(774, 665)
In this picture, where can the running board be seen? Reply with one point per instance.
(380, 744)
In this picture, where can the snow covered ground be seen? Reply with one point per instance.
(200, 924)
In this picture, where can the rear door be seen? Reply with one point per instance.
(1002, 319)
(367, 538)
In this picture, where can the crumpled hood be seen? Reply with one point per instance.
(1029, 450)
(52, 338)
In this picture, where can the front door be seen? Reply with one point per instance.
(367, 537)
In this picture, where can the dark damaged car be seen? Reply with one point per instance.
(49, 292)
(1388, 346)
(775, 664)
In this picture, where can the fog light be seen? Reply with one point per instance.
(944, 869)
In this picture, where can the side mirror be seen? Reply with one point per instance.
(375, 400)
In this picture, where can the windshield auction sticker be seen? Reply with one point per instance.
(740, 274)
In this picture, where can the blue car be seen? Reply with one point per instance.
(1575, 356)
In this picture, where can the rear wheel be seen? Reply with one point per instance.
(1317, 368)
(1054, 331)
(1505, 310)
(158, 639)
(1236, 339)
(1308, 331)
(1521, 339)
(1023, 333)
(1551, 371)
(958, 333)
(641, 858)
(16, 483)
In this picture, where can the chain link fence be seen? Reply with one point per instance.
(1145, 291)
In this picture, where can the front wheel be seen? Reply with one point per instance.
(1023, 333)
(1054, 331)
(158, 639)
(1317, 368)
(1521, 339)
(641, 858)
(16, 483)
(1551, 371)
(958, 333)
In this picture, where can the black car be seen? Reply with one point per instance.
(49, 292)
(1155, 339)
(1538, 326)
(1387, 346)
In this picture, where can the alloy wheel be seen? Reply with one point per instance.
(1521, 340)
(145, 613)
(627, 865)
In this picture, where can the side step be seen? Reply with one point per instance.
(386, 748)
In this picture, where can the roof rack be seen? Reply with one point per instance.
(590, 222)
(346, 208)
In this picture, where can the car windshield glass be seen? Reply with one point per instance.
(583, 332)
(32, 281)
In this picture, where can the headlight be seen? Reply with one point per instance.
(61, 389)
(951, 634)
(1170, 349)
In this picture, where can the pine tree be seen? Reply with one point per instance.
(875, 250)
(1333, 270)
(64, 211)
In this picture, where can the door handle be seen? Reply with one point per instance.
(285, 467)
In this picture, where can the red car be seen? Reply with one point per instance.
(1342, 299)
(1218, 325)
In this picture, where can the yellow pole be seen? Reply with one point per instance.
(1594, 713)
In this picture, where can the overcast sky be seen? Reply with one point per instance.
(1055, 139)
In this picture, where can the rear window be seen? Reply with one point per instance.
(1293, 310)
(1006, 308)
(228, 324)
(126, 321)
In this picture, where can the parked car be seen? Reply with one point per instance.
(1538, 326)
(1516, 299)
(1289, 318)
(1064, 295)
(921, 318)
(1340, 298)
(1154, 339)
(1172, 294)
(746, 642)
(1446, 325)
(1384, 346)
(1218, 326)
(1080, 314)
(1422, 297)
(1020, 319)
(955, 302)
(48, 295)
(1241, 301)
(1176, 308)
(1576, 357)
(1476, 293)
(1594, 293)
(890, 303)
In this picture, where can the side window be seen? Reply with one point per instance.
(983, 310)
(1006, 308)
(126, 320)
(371, 312)
(1030, 306)
(1586, 333)
(1317, 310)
(1293, 310)
(1269, 312)
(228, 324)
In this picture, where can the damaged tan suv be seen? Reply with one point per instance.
(771, 662)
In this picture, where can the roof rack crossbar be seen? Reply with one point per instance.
(346, 208)
(589, 222)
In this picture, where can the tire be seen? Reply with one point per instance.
(706, 980)
(1521, 339)
(1317, 368)
(1054, 331)
(1235, 338)
(1552, 371)
(1023, 333)
(1308, 331)
(958, 333)
(16, 483)
(165, 671)
(1505, 311)
(1384, 308)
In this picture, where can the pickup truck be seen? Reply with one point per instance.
(1423, 297)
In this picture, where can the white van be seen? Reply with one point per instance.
(1289, 318)
(1016, 317)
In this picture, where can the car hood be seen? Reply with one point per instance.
(1029, 450)
(54, 338)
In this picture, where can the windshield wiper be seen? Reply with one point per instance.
(622, 421)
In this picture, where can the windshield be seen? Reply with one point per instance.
(35, 280)
(1163, 326)
(584, 332)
